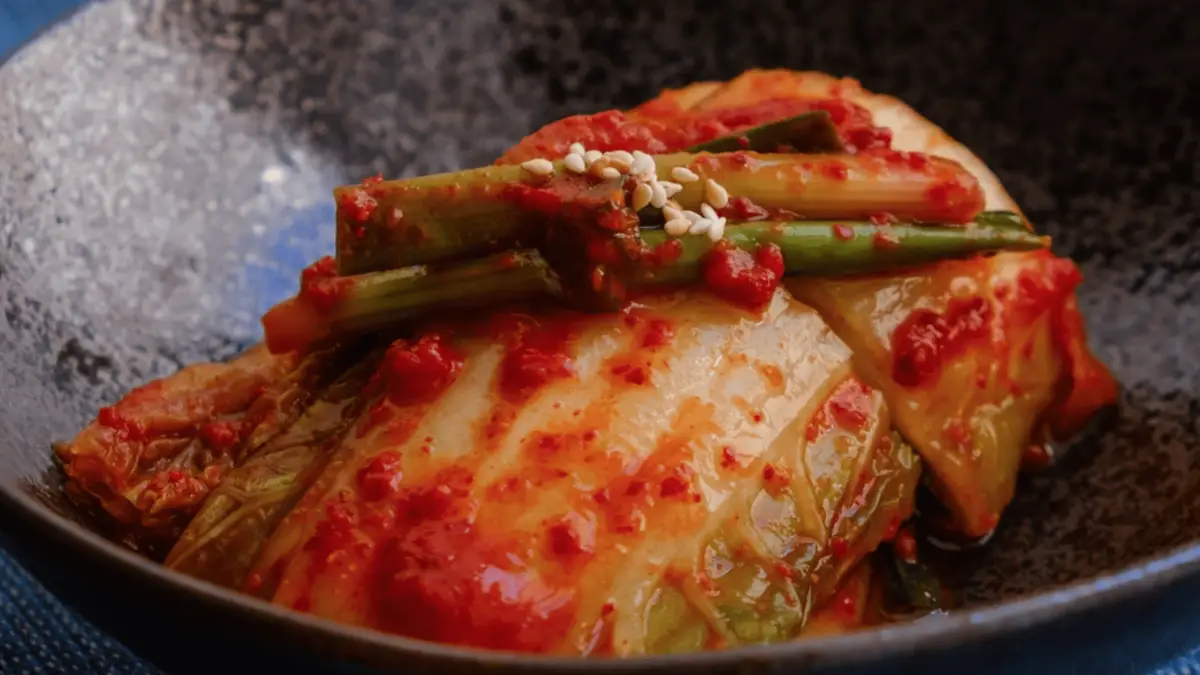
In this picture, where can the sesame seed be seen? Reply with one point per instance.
(618, 162)
(641, 196)
(671, 188)
(659, 198)
(715, 193)
(592, 155)
(577, 149)
(700, 226)
(642, 165)
(708, 212)
(574, 163)
(678, 227)
(693, 216)
(671, 213)
(684, 174)
(620, 156)
(539, 167)
(609, 173)
(717, 230)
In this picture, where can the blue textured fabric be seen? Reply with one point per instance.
(37, 633)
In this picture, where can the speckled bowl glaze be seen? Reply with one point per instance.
(166, 167)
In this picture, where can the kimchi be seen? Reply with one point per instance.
(659, 380)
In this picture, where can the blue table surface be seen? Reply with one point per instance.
(38, 634)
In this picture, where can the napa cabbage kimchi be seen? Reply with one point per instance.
(664, 379)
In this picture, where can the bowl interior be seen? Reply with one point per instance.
(165, 171)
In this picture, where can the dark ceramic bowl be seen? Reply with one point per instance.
(165, 170)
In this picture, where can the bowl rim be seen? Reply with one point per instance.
(930, 634)
(876, 644)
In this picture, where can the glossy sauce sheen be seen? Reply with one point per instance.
(972, 356)
(568, 464)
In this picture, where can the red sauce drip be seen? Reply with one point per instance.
(954, 197)
(843, 231)
(221, 436)
(420, 372)
(866, 138)
(729, 459)
(536, 356)
(744, 279)
(893, 528)
(321, 286)
(545, 201)
(678, 484)
(706, 164)
(633, 494)
(926, 340)
(664, 254)
(834, 170)
(740, 160)
(254, 583)
(959, 432)
(916, 161)
(617, 220)
(440, 581)
(847, 605)
(849, 407)
(1035, 457)
(334, 533)
(785, 570)
(443, 497)
(632, 373)
(649, 332)
(989, 522)
(659, 333)
(777, 478)
(357, 206)
(603, 251)
(741, 209)
(839, 547)
(571, 538)
(905, 545)
(1044, 287)
(381, 477)
(549, 443)
(885, 238)
(126, 427)
(855, 125)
